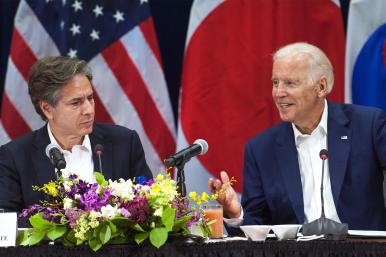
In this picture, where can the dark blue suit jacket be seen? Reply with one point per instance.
(272, 185)
(23, 162)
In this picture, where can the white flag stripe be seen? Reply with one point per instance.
(199, 11)
(121, 109)
(148, 67)
(34, 33)
(4, 138)
(358, 32)
(17, 91)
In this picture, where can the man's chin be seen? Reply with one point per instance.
(285, 118)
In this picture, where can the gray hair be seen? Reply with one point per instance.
(49, 75)
(320, 65)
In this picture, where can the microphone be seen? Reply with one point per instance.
(99, 151)
(200, 146)
(323, 154)
(56, 156)
(324, 226)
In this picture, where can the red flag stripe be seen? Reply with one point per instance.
(21, 54)
(148, 31)
(132, 84)
(10, 117)
(101, 114)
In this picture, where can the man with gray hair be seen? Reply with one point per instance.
(61, 92)
(282, 169)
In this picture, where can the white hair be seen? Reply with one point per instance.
(320, 65)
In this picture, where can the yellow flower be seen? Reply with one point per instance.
(193, 196)
(159, 178)
(204, 197)
(51, 188)
(155, 189)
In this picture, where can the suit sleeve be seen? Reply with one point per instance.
(379, 127)
(138, 165)
(254, 204)
(10, 188)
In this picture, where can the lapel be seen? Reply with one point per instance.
(97, 137)
(338, 144)
(289, 167)
(41, 163)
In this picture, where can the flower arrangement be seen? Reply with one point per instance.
(107, 212)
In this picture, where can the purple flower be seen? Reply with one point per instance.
(149, 182)
(73, 215)
(73, 176)
(52, 214)
(138, 209)
(195, 218)
(125, 212)
(31, 211)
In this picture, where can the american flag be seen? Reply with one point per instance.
(117, 39)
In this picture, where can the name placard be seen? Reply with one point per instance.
(8, 229)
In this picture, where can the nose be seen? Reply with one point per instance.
(88, 107)
(279, 90)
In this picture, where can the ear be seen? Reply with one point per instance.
(322, 87)
(47, 109)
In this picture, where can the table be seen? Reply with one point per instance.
(273, 248)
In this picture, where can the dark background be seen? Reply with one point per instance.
(171, 19)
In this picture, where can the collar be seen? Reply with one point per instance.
(322, 124)
(85, 144)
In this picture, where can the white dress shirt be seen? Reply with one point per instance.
(310, 165)
(79, 161)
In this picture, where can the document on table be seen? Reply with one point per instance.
(367, 233)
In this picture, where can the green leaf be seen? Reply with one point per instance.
(113, 228)
(100, 179)
(137, 227)
(36, 236)
(122, 222)
(140, 237)
(70, 237)
(23, 238)
(56, 232)
(105, 234)
(181, 222)
(120, 240)
(94, 244)
(168, 217)
(37, 221)
(158, 236)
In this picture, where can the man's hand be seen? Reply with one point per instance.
(227, 196)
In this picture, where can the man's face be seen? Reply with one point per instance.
(73, 116)
(298, 99)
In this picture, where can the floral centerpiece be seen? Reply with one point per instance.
(107, 212)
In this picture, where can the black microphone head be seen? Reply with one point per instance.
(50, 147)
(98, 149)
(323, 154)
(56, 156)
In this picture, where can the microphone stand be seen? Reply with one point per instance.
(323, 226)
(181, 189)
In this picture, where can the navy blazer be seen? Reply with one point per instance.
(23, 162)
(357, 156)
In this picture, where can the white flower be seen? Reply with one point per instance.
(142, 189)
(109, 211)
(122, 189)
(158, 212)
(67, 203)
(77, 196)
(67, 185)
